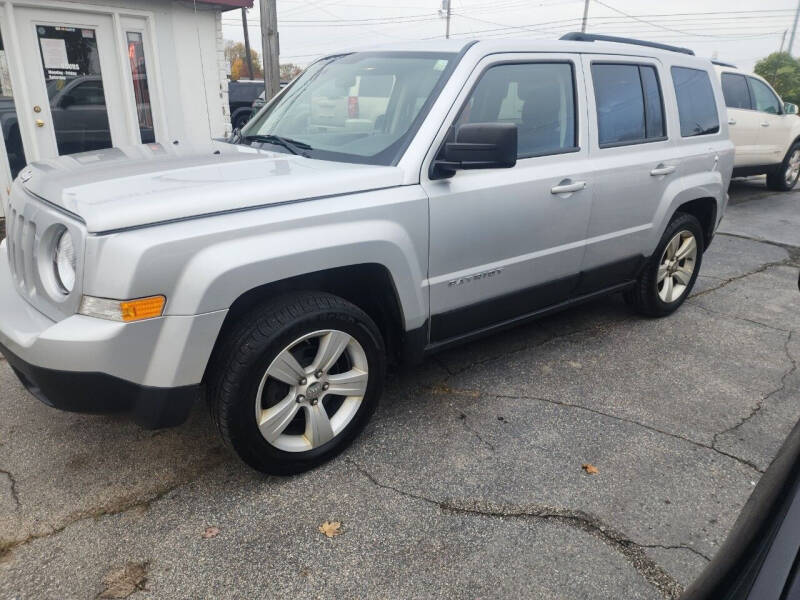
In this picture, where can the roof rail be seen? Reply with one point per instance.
(719, 63)
(577, 36)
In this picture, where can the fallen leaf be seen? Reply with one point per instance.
(331, 528)
(210, 532)
(589, 468)
(124, 581)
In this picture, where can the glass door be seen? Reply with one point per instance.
(12, 139)
(76, 87)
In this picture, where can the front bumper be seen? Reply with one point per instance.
(152, 408)
(153, 367)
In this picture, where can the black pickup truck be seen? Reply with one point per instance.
(240, 96)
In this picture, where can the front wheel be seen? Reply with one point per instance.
(785, 177)
(240, 121)
(296, 381)
(669, 275)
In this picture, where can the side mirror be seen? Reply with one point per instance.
(789, 108)
(478, 146)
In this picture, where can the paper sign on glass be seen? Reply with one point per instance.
(54, 53)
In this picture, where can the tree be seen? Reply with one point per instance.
(783, 73)
(289, 71)
(235, 55)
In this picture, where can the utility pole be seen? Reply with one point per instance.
(783, 39)
(794, 29)
(585, 16)
(271, 50)
(445, 12)
(247, 55)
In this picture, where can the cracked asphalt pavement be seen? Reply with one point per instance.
(468, 481)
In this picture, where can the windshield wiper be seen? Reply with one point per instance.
(294, 146)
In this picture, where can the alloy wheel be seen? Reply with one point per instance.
(677, 266)
(793, 168)
(311, 391)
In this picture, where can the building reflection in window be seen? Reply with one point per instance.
(141, 92)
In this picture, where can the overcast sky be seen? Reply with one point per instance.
(736, 31)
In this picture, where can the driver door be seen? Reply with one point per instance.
(506, 243)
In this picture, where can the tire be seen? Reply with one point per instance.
(649, 296)
(306, 424)
(241, 120)
(784, 178)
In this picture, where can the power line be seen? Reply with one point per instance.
(698, 27)
(639, 19)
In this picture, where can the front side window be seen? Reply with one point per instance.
(697, 107)
(361, 107)
(734, 88)
(763, 97)
(539, 98)
(630, 109)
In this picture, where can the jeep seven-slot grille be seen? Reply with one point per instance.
(21, 235)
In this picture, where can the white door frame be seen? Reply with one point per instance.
(124, 19)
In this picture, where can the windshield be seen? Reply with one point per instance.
(361, 107)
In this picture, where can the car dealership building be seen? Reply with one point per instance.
(81, 76)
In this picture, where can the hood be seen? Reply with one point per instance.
(140, 185)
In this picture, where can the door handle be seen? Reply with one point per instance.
(568, 188)
(662, 170)
(765, 124)
(731, 121)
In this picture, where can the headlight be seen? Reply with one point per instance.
(64, 262)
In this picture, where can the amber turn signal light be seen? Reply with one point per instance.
(143, 308)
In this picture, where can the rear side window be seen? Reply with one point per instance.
(539, 98)
(629, 105)
(697, 107)
(653, 106)
(734, 88)
(763, 98)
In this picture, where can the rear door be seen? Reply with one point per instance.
(634, 157)
(775, 126)
(744, 123)
(505, 243)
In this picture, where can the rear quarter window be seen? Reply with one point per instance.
(697, 107)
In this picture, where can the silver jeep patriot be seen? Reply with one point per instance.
(385, 205)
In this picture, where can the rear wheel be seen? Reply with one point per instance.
(670, 273)
(785, 177)
(296, 382)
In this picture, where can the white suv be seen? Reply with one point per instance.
(764, 129)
